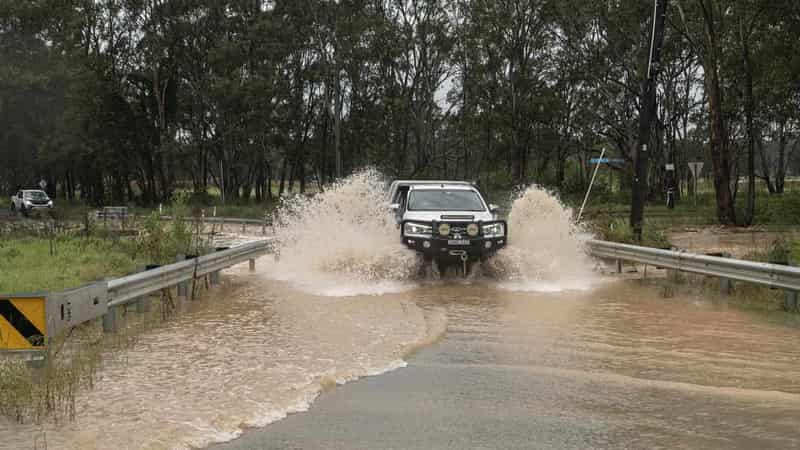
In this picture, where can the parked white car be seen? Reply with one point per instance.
(28, 200)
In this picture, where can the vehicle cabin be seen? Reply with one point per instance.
(398, 190)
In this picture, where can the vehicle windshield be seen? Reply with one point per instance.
(445, 200)
(35, 195)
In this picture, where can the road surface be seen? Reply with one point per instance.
(617, 367)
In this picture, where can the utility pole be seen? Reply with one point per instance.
(646, 118)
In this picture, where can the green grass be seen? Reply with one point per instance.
(771, 210)
(33, 264)
(44, 262)
(618, 230)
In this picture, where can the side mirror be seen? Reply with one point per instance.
(493, 208)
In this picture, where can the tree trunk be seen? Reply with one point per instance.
(646, 119)
(765, 166)
(749, 111)
(719, 148)
(780, 173)
(282, 184)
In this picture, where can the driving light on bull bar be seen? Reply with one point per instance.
(472, 229)
(417, 230)
(444, 229)
(494, 230)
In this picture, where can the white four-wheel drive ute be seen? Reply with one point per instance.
(447, 221)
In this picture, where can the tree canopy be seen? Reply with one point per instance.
(131, 100)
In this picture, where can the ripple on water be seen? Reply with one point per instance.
(243, 361)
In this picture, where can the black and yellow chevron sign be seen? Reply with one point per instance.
(22, 323)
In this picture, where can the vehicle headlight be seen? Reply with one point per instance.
(472, 229)
(28, 202)
(494, 230)
(417, 229)
(50, 203)
(444, 229)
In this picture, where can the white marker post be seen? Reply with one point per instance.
(588, 191)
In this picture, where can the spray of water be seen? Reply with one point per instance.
(343, 241)
(544, 250)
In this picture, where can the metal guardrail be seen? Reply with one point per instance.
(224, 220)
(126, 289)
(57, 311)
(137, 287)
(726, 269)
(263, 223)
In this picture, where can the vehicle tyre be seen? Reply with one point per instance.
(13, 208)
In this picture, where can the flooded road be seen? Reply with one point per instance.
(617, 367)
(348, 341)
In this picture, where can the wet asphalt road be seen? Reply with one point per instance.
(615, 368)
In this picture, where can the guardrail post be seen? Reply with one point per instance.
(725, 286)
(143, 304)
(264, 224)
(619, 266)
(252, 265)
(183, 287)
(110, 320)
(790, 301)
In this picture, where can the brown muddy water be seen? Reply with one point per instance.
(535, 350)
(738, 243)
(616, 366)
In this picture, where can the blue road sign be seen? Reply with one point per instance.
(606, 161)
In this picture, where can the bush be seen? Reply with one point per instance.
(618, 230)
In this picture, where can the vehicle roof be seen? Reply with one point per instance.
(31, 190)
(444, 185)
(430, 182)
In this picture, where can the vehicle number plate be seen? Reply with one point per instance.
(458, 242)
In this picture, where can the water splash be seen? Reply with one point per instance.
(343, 241)
(544, 252)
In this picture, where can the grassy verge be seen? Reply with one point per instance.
(35, 263)
(58, 261)
(31, 264)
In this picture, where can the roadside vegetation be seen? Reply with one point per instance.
(31, 392)
(33, 262)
